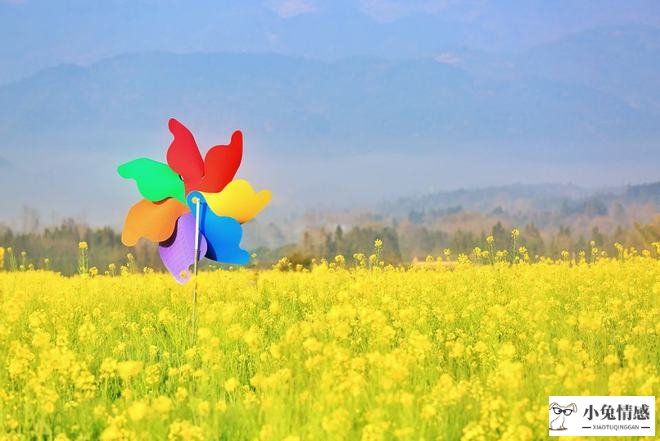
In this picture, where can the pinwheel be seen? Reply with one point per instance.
(192, 207)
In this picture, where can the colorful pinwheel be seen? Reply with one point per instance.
(187, 186)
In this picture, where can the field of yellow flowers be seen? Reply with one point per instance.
(469, 351)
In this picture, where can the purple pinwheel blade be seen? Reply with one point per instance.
(178, 252)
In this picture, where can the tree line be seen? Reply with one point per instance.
(404, 243)
(57, 248)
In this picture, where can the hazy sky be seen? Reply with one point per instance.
(38, 33)
(503, 76)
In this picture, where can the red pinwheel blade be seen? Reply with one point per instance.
(221, 164)
(183, 156)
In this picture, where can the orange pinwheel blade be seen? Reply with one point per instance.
(152, 220)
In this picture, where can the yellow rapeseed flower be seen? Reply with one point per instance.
(360, 349)
(231, 384)
(129, 369)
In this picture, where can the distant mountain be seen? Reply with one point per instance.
(352, 106)
(623, 61)
(341, 133)
(539, 197)
(35, 34)
(547, 206)
(644, 193)
(487, 199)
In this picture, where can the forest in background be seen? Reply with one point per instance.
(551, 219)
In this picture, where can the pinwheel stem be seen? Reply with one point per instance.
(194, 295)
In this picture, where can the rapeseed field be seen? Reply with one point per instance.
(467, 348)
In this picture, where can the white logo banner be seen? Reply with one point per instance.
(601, 416)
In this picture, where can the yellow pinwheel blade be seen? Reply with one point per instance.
(238, 200)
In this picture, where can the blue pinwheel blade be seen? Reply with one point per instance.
(223, 234)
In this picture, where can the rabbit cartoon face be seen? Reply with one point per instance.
(558, 414)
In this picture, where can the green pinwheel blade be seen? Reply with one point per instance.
(155, 181)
